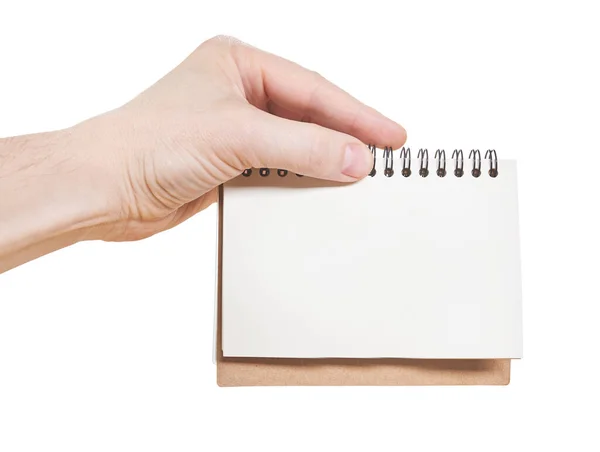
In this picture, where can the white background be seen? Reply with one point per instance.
(108, 346)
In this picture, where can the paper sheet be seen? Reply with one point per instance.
(386, 267)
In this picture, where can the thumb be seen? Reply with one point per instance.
(306, 149)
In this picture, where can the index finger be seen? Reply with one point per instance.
(309, 96)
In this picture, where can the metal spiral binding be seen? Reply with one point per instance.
(476, 155)
(373, 150)
(422, 156)
(458, 169)
(405, 156)
(264, 172)
(389, 162)
(440, 154)
(493, 172)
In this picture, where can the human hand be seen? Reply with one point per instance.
(156, 161)
(227, 107)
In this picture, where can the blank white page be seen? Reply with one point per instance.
(386, 267)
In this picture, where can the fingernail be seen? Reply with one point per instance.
(357, 161)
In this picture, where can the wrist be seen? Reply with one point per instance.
(49, 196)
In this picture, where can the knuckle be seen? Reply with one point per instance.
(223, 42)
(317, 155)
(234, 148)
(317, 76)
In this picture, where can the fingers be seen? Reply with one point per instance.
(307, 149)
(304, 95)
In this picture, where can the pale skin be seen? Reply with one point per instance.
(155, 162)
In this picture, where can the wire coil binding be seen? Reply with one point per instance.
(423, 155)
(389, 162)
(440, 155)
(493, 172)
(458, 169)
(373, 150)
(423, 160)
(476, 156)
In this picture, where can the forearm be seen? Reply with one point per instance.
(46, 201)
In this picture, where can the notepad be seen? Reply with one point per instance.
(418, 260)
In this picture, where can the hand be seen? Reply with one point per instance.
(227, 107)
(156, 161)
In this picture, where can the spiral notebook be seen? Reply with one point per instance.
(419, 261)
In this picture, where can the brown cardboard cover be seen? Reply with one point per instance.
(349, 372)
